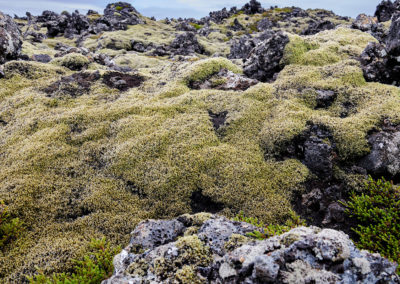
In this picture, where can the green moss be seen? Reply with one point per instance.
(73, 61)
(193, 251)
(119, 8)
(188, 275)
(196, 26)
(10, 228)
(204, 69)
(95, 267)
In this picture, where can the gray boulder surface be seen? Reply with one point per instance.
(205, 248)
(10, 39)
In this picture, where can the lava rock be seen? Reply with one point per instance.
(264, 25)
(73, 86)
(121, 81)
(325, 98)
(384, 159)
(186, 44)
(393, 39)
(253, 7)
(219, 16)
(121, 13)
(241, 48)
(385, 10)
(264, 60)
(44, 58)
(10, 39)
(316, 27)
(236, 26)
(302, 255)
(364, 23)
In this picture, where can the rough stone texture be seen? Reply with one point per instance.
(241, 48)
(302, 255)
(264, 60)
(381, 62)
(10, 39)
(316, 27)
(393, 39)
(44, 58)
(364, 23)
(73, 86)
(186, 44)
(384, 159)
(120, 14)
(385, 10)
(253, 7)
(264, 24)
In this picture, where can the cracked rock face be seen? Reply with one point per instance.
(384, 159)
(209, 248)
(264, 60)
(10, 39)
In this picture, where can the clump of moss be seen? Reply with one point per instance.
(10, 228)
(204, 69)
(95, 267)
(119, 8)
(196, 26)
(73, 61)
(377, 211)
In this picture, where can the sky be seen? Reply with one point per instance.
(183, 8)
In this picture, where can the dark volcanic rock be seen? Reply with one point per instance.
(122, 81)
(237, 26)
(316, 27)
(241, 48)
(364, 23)
(380, 62)
(10, 39)
(186, 44)
(253, 7)
(216, 250)
(384, 159)
(44, 58)
(264, 60)
(219, 16)
(121, 14)
(385, 10)
(73, 86)
(393, 39)
(264, 25)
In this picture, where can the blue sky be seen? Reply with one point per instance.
(182, 8)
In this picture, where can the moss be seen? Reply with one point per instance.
(236, 241)
(196, 26)
(188, 275)
(204, 69)
(73, 61)
(193, 251)
(327, 47)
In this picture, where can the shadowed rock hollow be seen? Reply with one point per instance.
(110, 119)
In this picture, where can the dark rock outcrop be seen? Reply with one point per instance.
(10, 39)
(385, 10)
(384, 159)
(213, 249)
(264, 60)
(186, 44)
(253, 7)
(316, 27)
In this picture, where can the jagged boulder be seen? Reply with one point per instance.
(381, 62)
(209, 248)
(385, 10)
(316, 27)
(186, 44)
(120, 14)
(253, 7)
(264, 60)
(219, 16)
(384, 159)
(10, 39)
